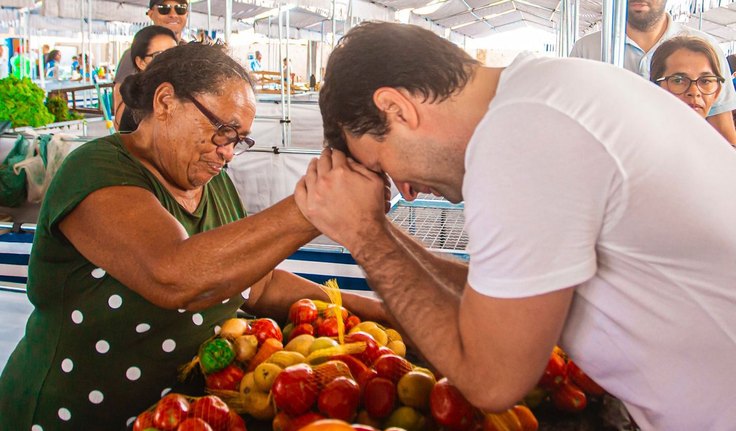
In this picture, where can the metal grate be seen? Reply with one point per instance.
(437, 228)
(429, 197)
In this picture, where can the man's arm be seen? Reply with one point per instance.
(453, 273)
(494, 350)
(723, 122)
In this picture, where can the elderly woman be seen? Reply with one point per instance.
(143, 247)
(147, 44)
(688, 67)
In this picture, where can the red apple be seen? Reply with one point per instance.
(392, 367)
(295, 389)
(339, 399)
(170, 411)
(370, 353)
(212, 410)
(379, 397)
(449, 407)
(302, 311)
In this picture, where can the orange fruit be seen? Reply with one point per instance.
(328, 425)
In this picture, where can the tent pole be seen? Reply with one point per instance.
(321, 50)
(228, 20)
(83, 34)
(283, 79)
(334, 23)
(289, 82)
(209, 17)
(614, 31)
(89, 40)
(270, 41)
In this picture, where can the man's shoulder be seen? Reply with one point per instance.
(588, 46)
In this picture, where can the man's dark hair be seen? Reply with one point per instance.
(141, 40)
(379, 54)
(191, 69)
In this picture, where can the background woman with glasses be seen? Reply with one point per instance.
(143, 247)
(688, 67)
(172, 14)
(147, 44)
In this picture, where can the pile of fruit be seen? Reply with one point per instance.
(180, 413)
(328, 364)
(564, 384)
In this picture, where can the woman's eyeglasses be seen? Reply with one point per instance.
(165, 9)
(153, 54)
(679, 84)
(225, 133)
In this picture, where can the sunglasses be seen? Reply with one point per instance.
(165, 9)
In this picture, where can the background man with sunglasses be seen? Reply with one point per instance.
(172, 14)
(647, 26)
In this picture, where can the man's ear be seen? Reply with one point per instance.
(164, 101)
(398, 106)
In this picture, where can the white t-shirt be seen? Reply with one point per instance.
(638, 61)
(584, 174)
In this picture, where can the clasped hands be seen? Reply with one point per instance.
(343, 199)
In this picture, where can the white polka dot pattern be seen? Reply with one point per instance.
(245, 294)
(168, 345)
(64, 414)
(181, 310)
(130, 421)
(98, 273)
(115, 302)
(143, 327)
(225, 301)
(133, 373)
(217, 329)
(67, 365)
(96, 397)
(102, 346)
(197, 319)
(165, 391)
(77, 317)
(36, 428)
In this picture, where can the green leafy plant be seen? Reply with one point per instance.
(21, 102)
(59, 108)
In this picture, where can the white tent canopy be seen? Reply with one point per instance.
(311, 19)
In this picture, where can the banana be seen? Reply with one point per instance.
(285, 358)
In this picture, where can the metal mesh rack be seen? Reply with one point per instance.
(438, 224)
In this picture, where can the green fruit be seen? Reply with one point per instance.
(414, 389)
(406, 418)
(216, 355)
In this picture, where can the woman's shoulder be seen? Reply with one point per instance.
(101, 156)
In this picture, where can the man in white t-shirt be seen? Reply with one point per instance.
(647, 26)
(599, 209)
